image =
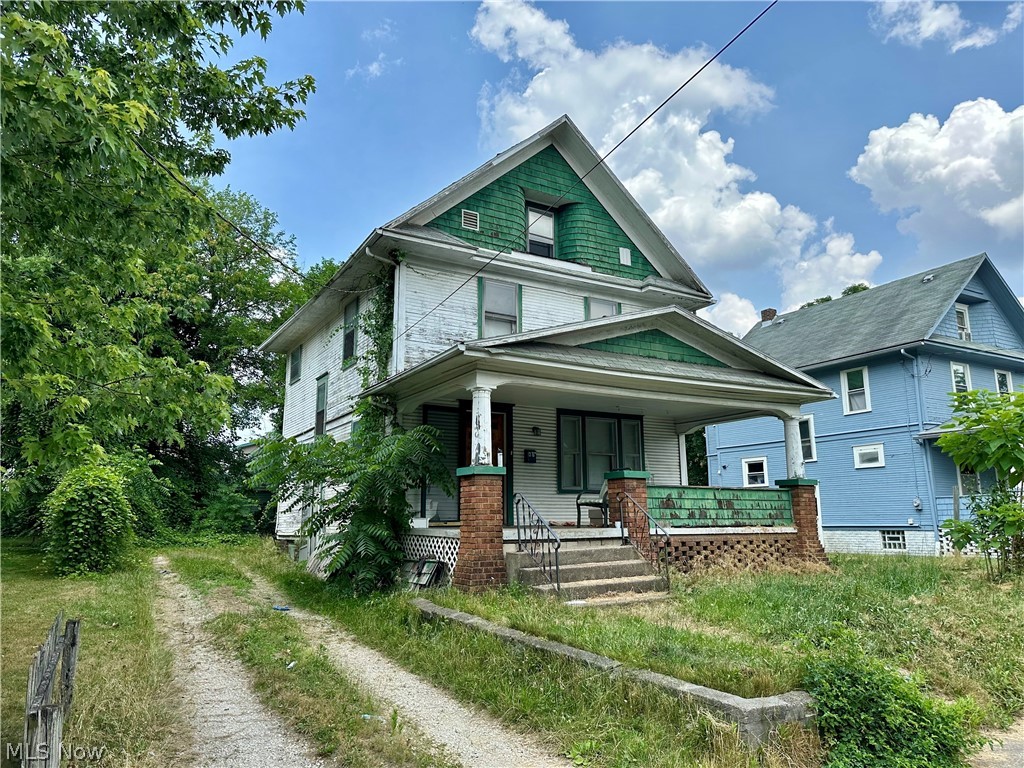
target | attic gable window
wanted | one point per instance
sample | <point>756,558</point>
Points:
<point>295,365</point>
<point>856,393</point>
<point>963,322</point>
<point>541,240</point>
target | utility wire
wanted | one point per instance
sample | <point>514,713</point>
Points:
<point>507,247</point>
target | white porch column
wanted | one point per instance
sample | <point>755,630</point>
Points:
<point>480,453</point>
<point>794,450</point>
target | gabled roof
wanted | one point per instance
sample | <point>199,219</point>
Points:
<point>885,317</point>
<point>583,158</point>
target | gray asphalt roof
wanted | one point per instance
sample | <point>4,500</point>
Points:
<point>620,362</point>
<point>888,315</point>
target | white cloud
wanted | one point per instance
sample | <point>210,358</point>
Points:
<point>914,22</point>
<point>678,169</point>
<point>828,270</point>
<point>383,32</point>
<point>374,69</point>
<point>732,313</point>
<point>956,184</point>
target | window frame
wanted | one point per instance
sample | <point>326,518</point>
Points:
<point>619,418</point>
<point>350,327</point>
<point>320,414</point>
<point>295,362</point>
<point>859,464</point>
<point>809,421</point>
<point>745,463</point>
<point>588,303</point>
<point>967,375</point>
<point>482,313</point>
<point>893,540</point>
<point>844,384</point>
<point>964,334</point>
<point>533,210</point>
<point>1009,381</point>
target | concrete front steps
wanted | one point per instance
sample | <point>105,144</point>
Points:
<point>589,572</point>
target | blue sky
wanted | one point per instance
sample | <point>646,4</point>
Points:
<point>835,142</point>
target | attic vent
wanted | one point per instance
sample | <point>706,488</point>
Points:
<point>470,220</point>
<point>927,278</point>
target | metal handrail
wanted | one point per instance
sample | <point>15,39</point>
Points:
<point>540,541</point>
<point>658,556</point>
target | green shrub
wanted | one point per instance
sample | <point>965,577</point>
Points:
<point>87,521</point>
<point>871,716</point>
<point>228,511</point>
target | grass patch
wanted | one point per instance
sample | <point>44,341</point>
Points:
<point>314,697</point>
<point>204,573</point>
<point>595,719</point>
<point>125,699</point>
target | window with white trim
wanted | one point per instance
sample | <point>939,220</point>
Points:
<point>541,239</point>
<point>1004,382</point>
<point>961,373</point>
<point>807,446</point>
<point>350,328</point>
<point>755,472</point>
<point>894,540</point>
<point>856,392</point>
<point>868,456</point>
<point>295,365</point>
<point>601,308</point>
<point>500,307</point>
<point>963,322</point>
<point>321,405</point>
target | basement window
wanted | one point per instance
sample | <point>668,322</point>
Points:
<point>541,240</point>
<point>894,540</point>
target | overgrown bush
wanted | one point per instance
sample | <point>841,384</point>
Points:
<point>228,511</point>
<point>87,520</point>
<point>871,716</point>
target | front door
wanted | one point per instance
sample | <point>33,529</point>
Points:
<point>501,447</point>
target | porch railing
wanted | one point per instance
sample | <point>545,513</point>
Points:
<point>645,533</point>
<point>536,537</point>
<point>702,507</point>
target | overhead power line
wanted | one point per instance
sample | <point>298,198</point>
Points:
<point>509,245</point>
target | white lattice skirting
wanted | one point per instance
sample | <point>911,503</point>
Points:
<point>946,547</point>
<point>445,549</point>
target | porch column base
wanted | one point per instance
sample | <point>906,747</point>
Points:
<point>481,563</point>
<point>805,517</point>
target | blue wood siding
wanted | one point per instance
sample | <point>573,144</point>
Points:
<point>988,324</point>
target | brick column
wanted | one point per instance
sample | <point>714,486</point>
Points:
<point>481,563</point>
<point>629,481</point>
<point>805,517</point>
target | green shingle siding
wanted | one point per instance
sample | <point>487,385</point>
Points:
<point>654,344</point>
<point>584,232</point>
<point>719,507</point>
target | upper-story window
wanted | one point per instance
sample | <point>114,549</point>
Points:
<point>602,308</point>
<point>963,322</point>
<point>321,405</point>
<point>499,308</point>
<point>350,328</point>
<point>295,366</point>
<point>541,240</point>
<point>807,447</point>
<point>961,376</point>
<point>1004,382</point>
<point>856,392</point>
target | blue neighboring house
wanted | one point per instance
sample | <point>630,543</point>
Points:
<point>892,354</point>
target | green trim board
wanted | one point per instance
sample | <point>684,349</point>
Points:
<point>655,344</point>
<point>791,481</point>
<point>481,469</point>
<point>627,474</point>
<point>690,507</point>
<point>585,232</point>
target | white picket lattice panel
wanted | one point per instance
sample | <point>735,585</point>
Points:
<point>445,549</point>
<point>946,547</point>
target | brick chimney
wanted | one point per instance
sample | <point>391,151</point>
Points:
<point>767,315</point>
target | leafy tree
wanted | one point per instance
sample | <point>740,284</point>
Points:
<point>987,433</point>
<point>847,291</point>
<point>106,108</point>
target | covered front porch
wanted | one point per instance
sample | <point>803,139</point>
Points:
<point>531,422</point>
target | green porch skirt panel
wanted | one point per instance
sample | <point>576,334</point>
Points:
<point>692,507</point>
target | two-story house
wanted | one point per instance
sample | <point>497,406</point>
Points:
<point>545,326</point>
<point>894,354</point>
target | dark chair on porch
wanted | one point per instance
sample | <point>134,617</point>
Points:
<point>597,507</point>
